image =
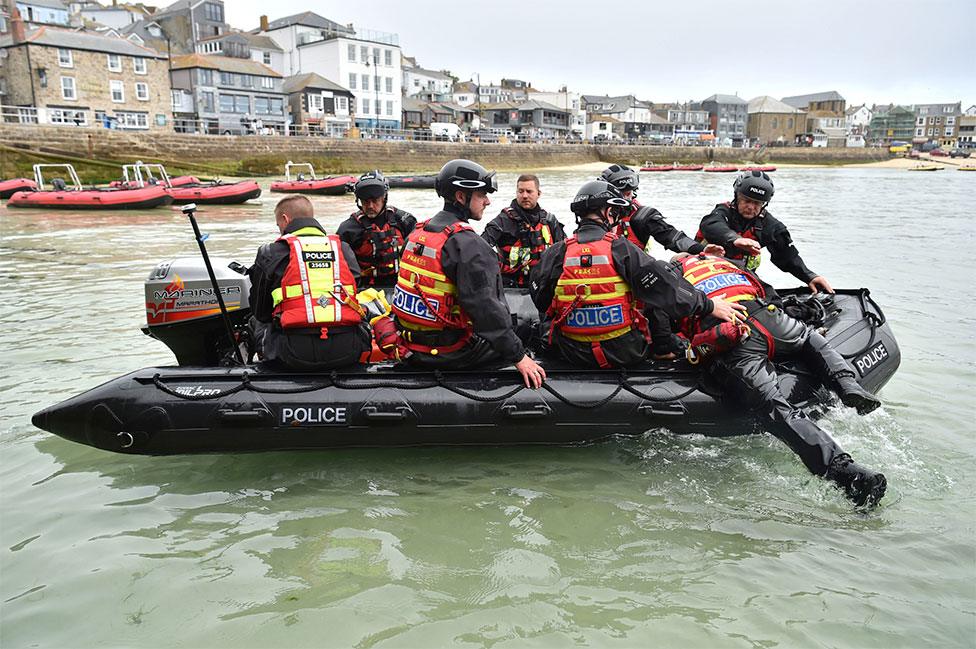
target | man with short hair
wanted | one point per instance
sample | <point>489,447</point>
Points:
<point>376,231</point>
<point>521,232</point>
<point>448,302</point>
<point>303,290</point>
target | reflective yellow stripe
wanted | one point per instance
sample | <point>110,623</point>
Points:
<point>599,337</point>
<point>276,296</point>
<point>421,271</point>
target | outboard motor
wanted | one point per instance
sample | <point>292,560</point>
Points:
<point>182,310</point>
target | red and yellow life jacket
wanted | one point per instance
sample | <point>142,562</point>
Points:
<point>521,256</point>
<point>592,302</point>
<point>425,300</point>
<point>318,288</point>
<point>718,277</point>
<point>379,253</point>
<point>752,261</point>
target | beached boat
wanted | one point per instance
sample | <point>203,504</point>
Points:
<point>61,196</point>
<point>306,182</point>
<point>9,187</point>
<point>926,168</point>
<point>967,168</point>
<point>689,167</point>
<point>205,404</point>
<point>719,168</point>
<point>763,168</point>
<point>142,174</point>
<point>650,166</point>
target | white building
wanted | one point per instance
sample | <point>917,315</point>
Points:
<point>43,12</point>
<point>465,93</point>
<point>366,62</point>
<point>116,17</point>
<point>600,128</point>
<point>858,118</point>
<point>568,101</point>
<point>429,83</point>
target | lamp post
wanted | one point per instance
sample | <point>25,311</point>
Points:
<point>477,75</point>
<point>376,88</point>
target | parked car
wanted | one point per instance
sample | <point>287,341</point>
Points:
<point>958,153</point>
<point>939,153</point>
<point>914,154</point>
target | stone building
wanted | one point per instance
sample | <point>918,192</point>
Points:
<point>937,123</point>
<point>826,116</point>
<point>65,77</point>
<point>774,122</point>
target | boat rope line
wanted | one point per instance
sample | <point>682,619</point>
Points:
<point>623,383</point>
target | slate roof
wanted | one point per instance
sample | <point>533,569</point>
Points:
<point>767,104</point>
<point>310,19</point>
<point>802,101</point>
<point>726,99</point>
<point>223,64</point>
<point>310,80</point>
<point>88,41</point>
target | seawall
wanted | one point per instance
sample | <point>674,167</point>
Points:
<point>265,155</point>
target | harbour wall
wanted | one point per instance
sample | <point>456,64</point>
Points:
<point>266,155</point>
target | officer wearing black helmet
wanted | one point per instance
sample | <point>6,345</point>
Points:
<point>376,231</point>
<point>640,225</point>
<point>744,226</point>
<point>587,286</point>
<point>448,302</point>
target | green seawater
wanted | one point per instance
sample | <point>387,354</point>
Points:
<point>658,541</point>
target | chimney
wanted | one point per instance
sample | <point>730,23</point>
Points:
<point>264,23</point>
<point>17,32</point>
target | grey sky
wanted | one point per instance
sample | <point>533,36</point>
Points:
<point>868,50</point>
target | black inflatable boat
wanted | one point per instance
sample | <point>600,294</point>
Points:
<point>203,405</point>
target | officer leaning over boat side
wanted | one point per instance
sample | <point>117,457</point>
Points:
<point>303,289</point>
<point>448,301</point>
<point>744,226</point>
<point>376,231</point>
<point>640,225</point>
<point>587,287</point>
<point>739,357</point>
<point>521,232</point>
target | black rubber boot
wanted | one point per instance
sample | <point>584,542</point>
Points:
<point>861,485</point>
<point>854,396</point>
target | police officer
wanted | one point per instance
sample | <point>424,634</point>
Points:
<point>640,225</point>
<point>587,286</point>
<point>376,231</point>
<point>521,232</point>
<point>743,227</point>
<point>303,290</point>
<point>741,361</point>
<point>448,301</point>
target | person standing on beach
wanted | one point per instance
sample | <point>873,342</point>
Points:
<point>521,232</point>
<point>744,227</point>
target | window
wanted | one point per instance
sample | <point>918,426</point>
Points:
<point>389,84</point>
<point>226,79</point>
<point>389,108</point>
<point>235,104</point>
<point>920,121</point>
<point>247,81</point>
<point>775,123</point>
<point>175,98</point>
<point>388,57</point>
<point>352,81</point>
<point>365,106</point>
<point>948,131</point>
<point>266,58</point>
<point>315,103</point>
<point>114,63</point>
<point>351,52</point>
<point>920,132</point>
<point>206,77</point>
<point>132,120</point>
<point>947,109</point>
<point>789,122</point>
<point>207,100</point>
<point>376,55</point>
<point>951,121</point>
<point>68,117</point>
<point>64,58</point>
<point>116,91</point>
<point>364,54</point>
<point>68,88</point>
<point>938,120</point>
<point>365,81</point>
<point>142,91</point>
<point>341,103</point>
<point>268,106</point>
<point>267,83</point>
<point>213,12</point>
<point>139,65</point>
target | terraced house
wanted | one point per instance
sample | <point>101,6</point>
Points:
<point>58,76</point>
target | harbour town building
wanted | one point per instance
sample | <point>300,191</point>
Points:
<point>826,117</point>
<point>366,62</point>
<point>773,122</point>
<point>891,124</point>
<point>937,123</point>
<point>319,106</point>
<point>728,116</point>
<point>58,76</point>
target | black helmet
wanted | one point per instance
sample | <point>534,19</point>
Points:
<point>594,195</point>
<point>465,176</point>
<point>372,184</point>
<point>622,177</point>
<point>755,185</point>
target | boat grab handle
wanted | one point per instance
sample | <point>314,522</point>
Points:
<point>373,414</point>
<point>537,411</point>
<point>666,409</point>
<point>243,416</point>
